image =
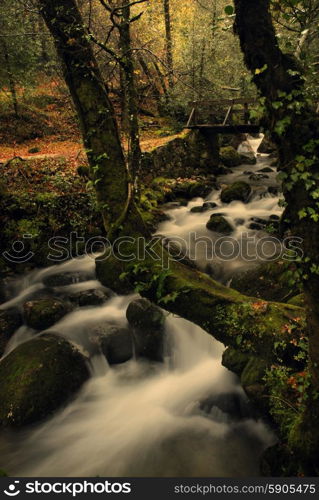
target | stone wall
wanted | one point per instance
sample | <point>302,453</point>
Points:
<point>188,155</point>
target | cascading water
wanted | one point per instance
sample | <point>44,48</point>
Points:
<point>187,417</point>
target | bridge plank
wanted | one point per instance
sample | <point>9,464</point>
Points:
<point>228,129</point>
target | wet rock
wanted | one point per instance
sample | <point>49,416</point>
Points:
<point>235,360</point>
<point>266,146</point>
<point>200,190</point>
<point>141,313</point>
<point>239,222</point>
<point>258,177</point>
<point>235,405</point>
<point>116,342</point>
<point>229,157</point>
<point>10,321</point>
<point>64,279</point>
<point>274,190</point>
<point>204,208</point>
<point>265,170</point>
<point>43,313</point>
<point>219,224</point>
<point>197,210</point>
<point>238,191</point>
<point>222,170</point>
<point>37,378</point>
<point>258,220</point>
<point>254,226</point>
<point>249,159</point>
<point>209,205</point>
<point>274,217</point>
<point>93,297</point>
<point>147,321</point>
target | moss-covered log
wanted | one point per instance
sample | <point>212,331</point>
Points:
<point>268,329</point>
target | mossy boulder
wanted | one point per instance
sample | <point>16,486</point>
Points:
<point>200,189</point>
<point>37,378</point>
<point>147,322</point>
<point>93,297</point>
<point>10,320</point>
<point>219,224</point>
<point>238,191</point>
<point>64,279</point>
<point>235,360</point>
<point>229,157</point>
<point>266,146</point>
<point>248,159</point>
<point>43,313</point>
<point>208,205</point>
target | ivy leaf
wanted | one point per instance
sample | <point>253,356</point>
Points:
<point>229,10</point>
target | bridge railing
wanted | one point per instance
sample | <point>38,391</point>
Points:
<point>213,112</point>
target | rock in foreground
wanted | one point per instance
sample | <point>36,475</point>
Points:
<point>43,313</point>
<point>37,378</point>
<point>147,321</point>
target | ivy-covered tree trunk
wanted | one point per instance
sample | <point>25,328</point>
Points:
<point>130,90</point>
<point>294,127</point>
<point>94,109</point>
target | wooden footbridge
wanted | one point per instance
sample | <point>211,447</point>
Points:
<point>205,116</point>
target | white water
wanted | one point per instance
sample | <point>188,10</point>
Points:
<point>142,419</point>
<point>221,257</point>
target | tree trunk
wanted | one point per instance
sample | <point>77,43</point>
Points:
<point>294,126</point>
<point>96,115</point>
<point>12,85</point>
<point>130,92</point>
<point>169,43</point>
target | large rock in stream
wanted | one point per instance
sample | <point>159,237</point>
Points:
<point>115,341</point>
<point>147,322</point>
<point>229,157</point>
<point>239,191</point>
<point>219,224</point>
<point>37,378</point>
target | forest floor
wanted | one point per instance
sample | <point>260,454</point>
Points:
<point>46,141</point>
<point>47,126</point>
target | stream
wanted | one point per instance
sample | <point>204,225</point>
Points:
<point>187,417</point>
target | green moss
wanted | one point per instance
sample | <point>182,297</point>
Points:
<point>43,313</point>
<point>235,360</point>
<point>238,191</point>
<point>219,224</point>
<point>229,157</point>
<point>37,377</point>
<point>253,372</point>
